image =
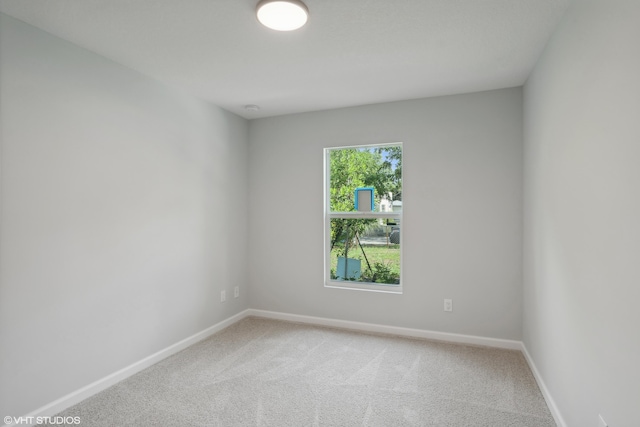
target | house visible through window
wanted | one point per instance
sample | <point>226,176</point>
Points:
<point>363,217</point>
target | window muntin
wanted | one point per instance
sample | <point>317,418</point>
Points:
<point>370,240</point>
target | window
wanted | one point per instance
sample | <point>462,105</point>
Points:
<point>363,217</point>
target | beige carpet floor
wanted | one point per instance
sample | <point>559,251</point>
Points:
<point>262,372</point>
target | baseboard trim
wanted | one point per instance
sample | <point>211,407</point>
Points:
<point>553,408</point>
<point>77,396</point>
<point>393,330</point>
<point>83,393</point>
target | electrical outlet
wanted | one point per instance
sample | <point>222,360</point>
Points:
<point>223,296</point>
<point>236,292</point>
<point>448,305</point>
<point>602,422</point>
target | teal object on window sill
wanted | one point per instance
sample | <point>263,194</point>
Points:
<point>354,269</point>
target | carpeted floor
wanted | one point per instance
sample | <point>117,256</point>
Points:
<point>269,373</point>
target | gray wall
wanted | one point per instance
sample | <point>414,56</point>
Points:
<point>116,234</point>
<point>462,225</point>
<point>582,214</point>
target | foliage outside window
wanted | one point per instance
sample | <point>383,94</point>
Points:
<point>363,249</point>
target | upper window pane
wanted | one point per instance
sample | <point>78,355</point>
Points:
<point>378,168</point>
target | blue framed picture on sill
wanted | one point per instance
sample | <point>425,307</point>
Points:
<point>364,201</point>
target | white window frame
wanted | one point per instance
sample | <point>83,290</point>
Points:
<point>328,215</point>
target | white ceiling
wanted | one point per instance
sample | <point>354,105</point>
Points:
<point>351,52</point>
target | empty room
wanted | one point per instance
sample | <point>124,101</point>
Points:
<point>320,213</point>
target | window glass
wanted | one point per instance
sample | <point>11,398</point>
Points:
<point>363,191</point>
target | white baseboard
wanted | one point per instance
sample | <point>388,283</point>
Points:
<point>97,386</point>
<point>393,330</point>
<point>77,396</point>
<point>553,408</point>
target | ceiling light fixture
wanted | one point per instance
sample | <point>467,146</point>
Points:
<point>282,15</point>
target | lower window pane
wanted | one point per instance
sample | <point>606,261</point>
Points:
<point>365,250</point>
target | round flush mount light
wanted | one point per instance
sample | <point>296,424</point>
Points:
<point>282,15</point>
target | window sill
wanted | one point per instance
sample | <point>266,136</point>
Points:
<point>368,287</point>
